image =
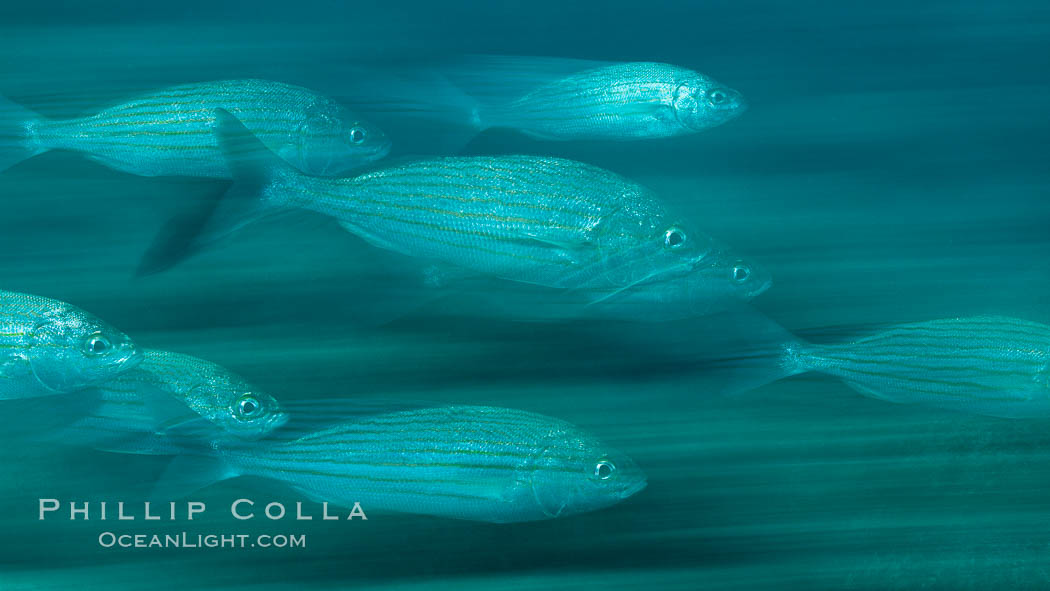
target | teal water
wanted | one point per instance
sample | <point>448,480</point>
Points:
<point>892,168</point>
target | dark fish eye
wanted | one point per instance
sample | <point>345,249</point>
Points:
<point>96,344</point>
<point>741,272</point>
<point>604,469</point>
<point>248,406</point>
<point>357,135</point>
<point>718,97</point>
<point>673,238</point>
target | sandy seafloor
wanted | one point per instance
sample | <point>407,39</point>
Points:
<point>893,167</point>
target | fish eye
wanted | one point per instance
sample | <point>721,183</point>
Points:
<point>604,469</point>
<point>96,344</point>
<point>741,272</point>
<point>674,238</point>
<point>357,135</point>
<point>248,407</point>
<point>718,97</point>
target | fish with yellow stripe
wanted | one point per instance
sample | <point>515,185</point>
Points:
<point>168,132</point>
<point>48,347</point>
<point>463,462</point>
<point>987,365</point>
<point>172,394</point>
<point>606,244</point>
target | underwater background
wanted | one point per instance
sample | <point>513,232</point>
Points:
<point>893,166</point>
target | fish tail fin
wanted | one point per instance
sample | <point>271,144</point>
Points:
<point>18,139</point>
<point>750,350</point>
<point>189,472</point>
<point>409,91</point>
<point>494,82</point>
<point>254,168</point>
<point>417,106</point>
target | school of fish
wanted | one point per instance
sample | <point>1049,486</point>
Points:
<point>600,244</point>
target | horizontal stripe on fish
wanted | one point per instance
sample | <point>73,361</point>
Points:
<point>48,347</point>
<point>152,135</point>
<point>986,365</point>
<point>533,220</point>
<point>464,462</point>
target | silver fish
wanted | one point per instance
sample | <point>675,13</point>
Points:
<point>554,99</point>
<point>606,243</point>
<point>619,102</point>
<point>168,132</point>
<point>50,347</point>
<point>463,462</point>
<point>168,395</point>
<point>987,365</point>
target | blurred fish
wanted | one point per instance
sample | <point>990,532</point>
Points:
<point>558,99</point>
<point>987,365</point>
<point>609,245</point>
<point>49,347</point>
<point>170,393</point>
<point>168,132</point>
<point>463,462</point>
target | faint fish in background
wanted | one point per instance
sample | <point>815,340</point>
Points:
<point>987,365</point>
<point>464,462</point>
<point>607,243</point>
<point>554,98</point>
<point>50,347</point>
<point>171,395</point>
<point>168,132</point>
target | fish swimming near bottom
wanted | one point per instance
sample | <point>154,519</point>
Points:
<point>463,462</point>
<point>48,347</point>
<point>606,243</point>
<point>986,365</point>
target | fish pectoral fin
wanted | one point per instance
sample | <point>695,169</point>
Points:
<point>871,393</point>
<point>369,237</point>
<point>566,243</point>
<point>174,419</point>
<point>189,473</point>
<point>164,408</point>
<point>189,428</point>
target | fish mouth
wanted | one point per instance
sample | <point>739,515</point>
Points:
<point>635,488</point>
<point>740,104</point>
<point>130,356</point>
<point>377,150</point>
<point>277,421</point>
<point>761,290</point>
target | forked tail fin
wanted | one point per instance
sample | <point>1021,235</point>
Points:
<point>419,108</point>
<point>743,349</point>
<point>253,167</point>
<point>17,139</point>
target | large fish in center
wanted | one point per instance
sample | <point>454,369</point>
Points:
<point>606,243</point>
